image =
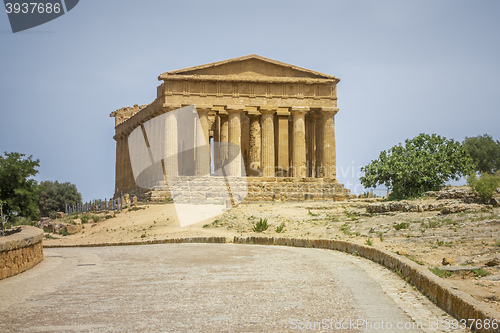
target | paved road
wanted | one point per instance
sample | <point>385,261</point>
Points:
<point>209,288</point>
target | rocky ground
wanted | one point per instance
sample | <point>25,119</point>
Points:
<point>446,231</point>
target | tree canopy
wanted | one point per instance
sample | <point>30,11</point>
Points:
<point>18,191</point>
<point>55,195</point>
<point>424,163</point>
<point>484,151</point>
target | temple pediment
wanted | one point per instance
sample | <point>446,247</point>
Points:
<point>251,66</point>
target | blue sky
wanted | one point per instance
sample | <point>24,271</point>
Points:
<point>406,67</point>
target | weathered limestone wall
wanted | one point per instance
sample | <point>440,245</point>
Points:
<point>20,251</point>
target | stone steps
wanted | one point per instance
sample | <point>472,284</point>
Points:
<point>214,189</point>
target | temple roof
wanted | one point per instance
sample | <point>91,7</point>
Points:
<point>250,67</point>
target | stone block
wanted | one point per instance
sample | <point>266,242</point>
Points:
<point>339,197</point>
<point>73,228</point>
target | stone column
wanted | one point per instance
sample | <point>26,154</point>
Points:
<point>224,137</point>
<point>202,144</point>
<point>255,143</point>
<point>217,138</point>
<point>128,180</point>
<point>307,122</point>
<point>267,158</point>
<point>319,167</point>
<point>171,146</point>
<point>119,163</point>
<point>283,149</point>
<point>311,144</point>
<point>235,139</point>
<point>329,154</point>
<point>299,142</point>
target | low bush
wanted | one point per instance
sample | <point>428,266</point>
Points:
<point>440,272</point>
<point>480,272</point>
<point>261,225</point>
<point>402,225</point>
<point>485,186</point>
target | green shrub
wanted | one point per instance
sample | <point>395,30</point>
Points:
<point>440,272</point>
<point>63,232</point>
<point>402,225</point>
<point>430,224</point>
<point>280,228</point>
<point>20,220</point>
<point>52,215</point>
<point>261,225</point>
<point>350,215</point>
<point>85,219</point>
<point>484,186</point>
<point>369,242</point>
<point>334,219</point>
<point>480,272</point>
<point>311,213</point>
<point>345,228</point>
<point>96,218</point>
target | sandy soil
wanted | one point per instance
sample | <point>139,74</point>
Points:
<point>470,239</point>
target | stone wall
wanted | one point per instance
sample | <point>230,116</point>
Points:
<point>457,199</point>
<point>20,251</point>
<point>211,240</point>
